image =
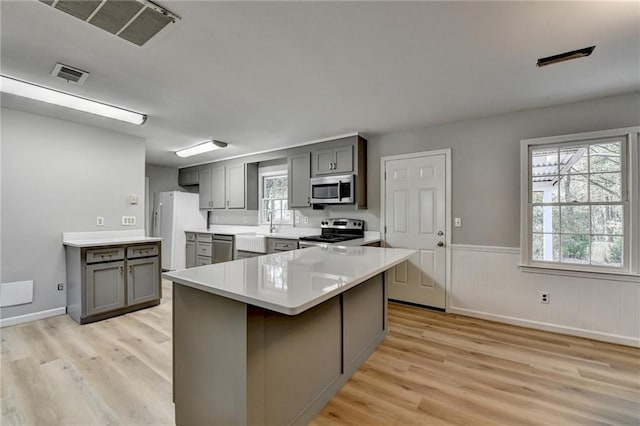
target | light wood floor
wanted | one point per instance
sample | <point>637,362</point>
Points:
<point>433,368</point>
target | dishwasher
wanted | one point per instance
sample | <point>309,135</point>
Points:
<point>222,248</point>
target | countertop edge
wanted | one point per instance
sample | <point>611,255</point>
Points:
<point>110,242</point>
<point>287,310</point>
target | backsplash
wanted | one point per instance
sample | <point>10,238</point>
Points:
<point>314,217</point>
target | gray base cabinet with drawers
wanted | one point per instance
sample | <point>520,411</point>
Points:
<point>103,282</point>
<point>205,249</point>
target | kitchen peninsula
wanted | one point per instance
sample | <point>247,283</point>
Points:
<point>270,339</point>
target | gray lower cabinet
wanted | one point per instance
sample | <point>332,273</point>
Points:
<point>103,282</point>
<point>142,280</point>
<point>205,249</point>
<point>104,287</point>
<point>275,245</point>
<point>191,254</point>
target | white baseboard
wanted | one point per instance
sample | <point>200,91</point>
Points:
<point>589,334</point>
<point>19,319</point>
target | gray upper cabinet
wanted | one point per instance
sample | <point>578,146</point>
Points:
<point>212,188</point>
<point>204,177</point>
<point>231,186</point>
<point>235,186</point>
<point>105,287</point>
<point>217,188</point>
<point>299,176</point>
<point>188,177</point>
<point>334,160</point>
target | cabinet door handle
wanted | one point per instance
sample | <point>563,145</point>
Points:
<point>228,203</point>
<point>130,269</point>
<point>121,270</point>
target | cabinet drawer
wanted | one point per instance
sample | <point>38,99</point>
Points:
<point>105,254</point>
<point>142,251</point>
<point>205,238</point>
<point>203,249</point>
<point>203,260</point>
<point>191,236</point>
<point>285,245</point>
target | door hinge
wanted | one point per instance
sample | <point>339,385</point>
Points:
<point>385,229</point>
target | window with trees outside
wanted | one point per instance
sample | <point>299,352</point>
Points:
<point>275,198</point>
<point>579,210</point>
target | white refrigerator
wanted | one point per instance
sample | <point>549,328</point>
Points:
<point>173,213</point>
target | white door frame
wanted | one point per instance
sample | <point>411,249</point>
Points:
<point>447,154</point>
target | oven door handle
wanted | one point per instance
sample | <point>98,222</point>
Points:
<point>339,190</point>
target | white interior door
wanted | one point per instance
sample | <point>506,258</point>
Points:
<point>415,218</point>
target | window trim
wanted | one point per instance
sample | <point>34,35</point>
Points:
<point>631,204</point>
<point>261,176</point>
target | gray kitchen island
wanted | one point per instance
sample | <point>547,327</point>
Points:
<point>270,339</point>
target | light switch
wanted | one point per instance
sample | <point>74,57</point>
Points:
<point>457,222</point>
<point>100,221</point>
<point>133,199</point>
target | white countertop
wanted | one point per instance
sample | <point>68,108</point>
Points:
<point>287,232</point>
<point>106,238</point>
<point>294,281</point>
<point>283,232</point>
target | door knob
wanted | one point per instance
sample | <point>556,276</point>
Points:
<point>440,243</point>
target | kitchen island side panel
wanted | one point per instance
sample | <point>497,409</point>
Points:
<point>292,361</point>
<point>288,366</point>
<point>210,358</point>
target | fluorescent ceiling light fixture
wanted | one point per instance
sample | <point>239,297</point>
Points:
<point>566,56</point>
<point>200,148</point>
<point>55,97</point>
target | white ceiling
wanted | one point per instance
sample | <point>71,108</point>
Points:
<point>262,75</point>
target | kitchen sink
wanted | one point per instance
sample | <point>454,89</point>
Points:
<point>253,242</point>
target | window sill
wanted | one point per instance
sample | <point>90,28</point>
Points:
<point>572,272</point>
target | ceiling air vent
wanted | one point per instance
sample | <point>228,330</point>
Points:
<point>69,74</point>
<point>136,21</point>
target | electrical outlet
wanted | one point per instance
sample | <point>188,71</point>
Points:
<point>100,221</point>
<point>60,286</point>
<point>128,220</point>
<point>244,218</point>
<point>545,297</point>
<point>306,219</point>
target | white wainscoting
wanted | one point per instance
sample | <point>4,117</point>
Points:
<point>487,283</point>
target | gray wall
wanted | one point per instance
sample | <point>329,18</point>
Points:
<point>486,164</point>
<point>486,161</point>
<point>58,176</point>
<point>161,179</point>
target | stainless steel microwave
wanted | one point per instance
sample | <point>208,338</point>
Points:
<point>333,190</point>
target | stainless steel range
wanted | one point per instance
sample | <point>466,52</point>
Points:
<point>335,231</point>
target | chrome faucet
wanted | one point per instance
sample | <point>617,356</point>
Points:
<point>271,227</point>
